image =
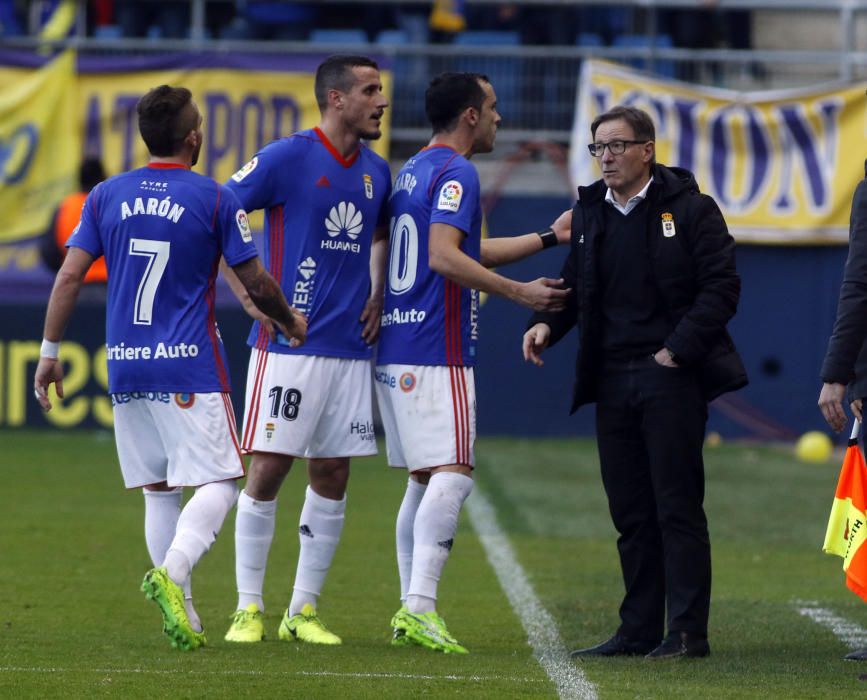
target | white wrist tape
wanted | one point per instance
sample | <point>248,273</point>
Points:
<point>49,349</point>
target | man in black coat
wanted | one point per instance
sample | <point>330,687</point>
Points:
<point>846,359</point>
<point>652,272</point>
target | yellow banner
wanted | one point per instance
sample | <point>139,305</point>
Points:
<point>245,105</point>
<point>39,145</point>
<point>243,110</point>
<point>782,165</point>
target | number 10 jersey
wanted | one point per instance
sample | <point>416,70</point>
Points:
<point>428,319</point>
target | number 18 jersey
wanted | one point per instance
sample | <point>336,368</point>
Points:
<point>428,319</point>
<point>162,230</point>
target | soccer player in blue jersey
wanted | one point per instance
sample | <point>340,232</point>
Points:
<point>163,230</point>
<point>324,194</point>
<point>427,348</point>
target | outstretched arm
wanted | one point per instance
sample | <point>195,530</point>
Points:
<point>500,251</point>
<point>67,284</point>
<point>447,258</point>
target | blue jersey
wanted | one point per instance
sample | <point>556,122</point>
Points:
<point>320,214</point>
<point>162,230</point>
<point>427,319</point>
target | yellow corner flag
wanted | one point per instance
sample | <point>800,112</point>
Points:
<point>847,526</point>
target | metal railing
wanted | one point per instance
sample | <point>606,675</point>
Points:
<point>537,85</point>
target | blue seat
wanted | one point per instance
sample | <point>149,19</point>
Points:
<point>589,39</point>
<point>661,67</point>
<point>347,37</point>
<point>392,37</point>
<point>108,31</point>
<point>505,72</point>
<point>487,38</point>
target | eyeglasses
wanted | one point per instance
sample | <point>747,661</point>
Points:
<point>615,148</point>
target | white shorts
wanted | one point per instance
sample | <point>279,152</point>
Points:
<point>183,439</point>
<point>308,406</point>
<point>429,414</point>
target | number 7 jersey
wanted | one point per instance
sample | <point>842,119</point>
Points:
<point>162,230</point>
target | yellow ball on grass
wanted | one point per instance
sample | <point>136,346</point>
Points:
<point>814,446</point>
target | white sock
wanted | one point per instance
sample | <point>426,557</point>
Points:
<point>435,526</point>
<point>405,522</point>
<point>162,509</point>
<point>198,525</point>
<point>319,532</point>
<point>254,530</point>
<point>192,615</point>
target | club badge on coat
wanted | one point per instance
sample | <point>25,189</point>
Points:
<point>668,229</point>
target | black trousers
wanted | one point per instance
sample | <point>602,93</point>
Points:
<point>650,425</point>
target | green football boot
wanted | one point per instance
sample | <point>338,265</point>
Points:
<point>248,625</point>
<point>158,587</point>
<point>426,630</point>
<point>398,634</point>
<point>306,627</point>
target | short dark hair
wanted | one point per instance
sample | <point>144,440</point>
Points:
<point>335,73</point>
<point>90,173</point>
<point>449,94</point>
<point>165,119</point>
<point>638,119</point>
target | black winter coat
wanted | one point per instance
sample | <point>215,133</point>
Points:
<point>846,359</point>
<point>693,269</point>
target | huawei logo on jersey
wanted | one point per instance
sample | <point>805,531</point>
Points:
<point>344,217</point>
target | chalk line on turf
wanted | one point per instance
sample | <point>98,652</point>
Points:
<point>542,633</point>
<point>852,635</point>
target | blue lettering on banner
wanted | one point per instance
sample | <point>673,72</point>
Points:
<point>125,120</point>
<point>16,153</point>
<point>251,110</point>
<point>219,123</point>
<point>92,131</point>
<point>757,156</point>
<point>788,135</point>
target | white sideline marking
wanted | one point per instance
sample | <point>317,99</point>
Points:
<point>541,629</point>
<point>186,672</point>
<point>853,635</point>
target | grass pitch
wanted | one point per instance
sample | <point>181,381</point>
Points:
<point>74,623</point>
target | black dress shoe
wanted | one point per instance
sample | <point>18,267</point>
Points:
<point>681,644</point>
<point>860,655</point>
<point>618,645</point>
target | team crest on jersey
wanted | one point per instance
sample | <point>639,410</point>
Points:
<point>246,169</point>
<point>269,431</point>
<point>407,382</point>
<point>344,217</point>
<point>185,400</point>
<point>668,225</point>
<point>450,196</point>
<point>243,225</point>
<point>368,186</point>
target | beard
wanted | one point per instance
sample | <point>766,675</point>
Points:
<point>195,157</point>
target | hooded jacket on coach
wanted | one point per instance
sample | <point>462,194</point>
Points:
<point>693,267</point>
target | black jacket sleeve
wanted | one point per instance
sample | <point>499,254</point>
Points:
<point>850,327</point>
<point>561,322</point>
<point>718,285</point>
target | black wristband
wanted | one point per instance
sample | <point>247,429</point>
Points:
<point>549,238</point>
